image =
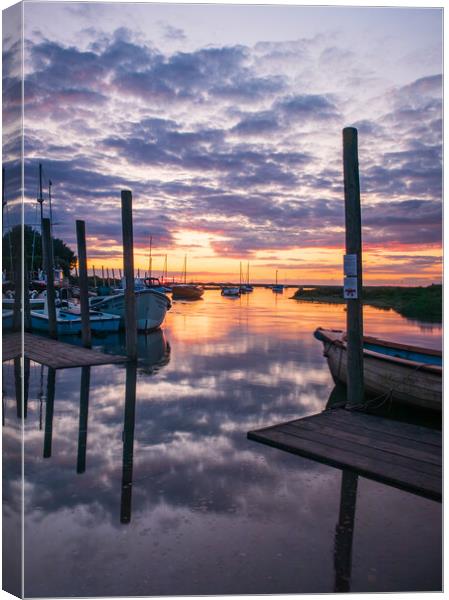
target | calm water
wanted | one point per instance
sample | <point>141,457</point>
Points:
<point>165,495</point>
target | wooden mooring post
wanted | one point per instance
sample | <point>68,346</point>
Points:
<point>94,276</point>
<point>49,270</point>
<point>128,264</point>
<point>83,284</point>
<point>353,269</point>
<point>102,276</point>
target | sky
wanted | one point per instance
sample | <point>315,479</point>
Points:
<point>226,123</point>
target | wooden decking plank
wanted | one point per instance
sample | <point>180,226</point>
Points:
<point>403,447</point>
<point>382,424</point>
<point>360,448</point>
<point>54,353</point>
<point>364,444</point>
<point>420,483</point>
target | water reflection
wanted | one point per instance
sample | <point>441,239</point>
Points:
<point>344,531</point>
<point>150,487</point>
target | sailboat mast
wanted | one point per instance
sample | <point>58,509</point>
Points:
<point>40,198</point>
<point>185,268</point>
<point>150,259</point>
<point>276,276</point>
<point>247,273</point>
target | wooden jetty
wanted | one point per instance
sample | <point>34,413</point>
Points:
<point>52,353</point>
<point>399,454</point>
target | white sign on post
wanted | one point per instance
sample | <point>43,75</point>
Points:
<point>350,288</point>
<point>350,265</point>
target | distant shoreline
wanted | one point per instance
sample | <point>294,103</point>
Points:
<point>422,303</point>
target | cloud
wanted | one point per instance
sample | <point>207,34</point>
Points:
<point>176,129</point>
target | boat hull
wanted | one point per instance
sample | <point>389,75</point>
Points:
<point>70,324</point>
<point>151,308</point>
<point>187,292</point>
<point>387,377</point>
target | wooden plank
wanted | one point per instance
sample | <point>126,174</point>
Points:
<point>384,425</point>
<point>362,449</point>
<point>418,448</point>
<point>365,445</point>
<point>53,353</point>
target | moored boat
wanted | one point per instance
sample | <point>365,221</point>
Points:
<point>232,292</point>
<point>404,373</point>
<point>151,307</point>
<point>277,288</point>
<point>187,291</point>
<point>68,321</point>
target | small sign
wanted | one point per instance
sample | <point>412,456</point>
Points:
<point>350,288</point>
<point>350,265</point>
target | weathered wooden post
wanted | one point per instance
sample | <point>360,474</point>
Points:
<point>95,277</point>
<point>83,283</point>
<point>83,419</point>
<point>353,269</point>
<point>107,277</point>
<point>102,276</point>
<point>128,263</point>
<point>128,442</point>
<point>49,405</point>
<point>113,277</point>
<point>48,253</point>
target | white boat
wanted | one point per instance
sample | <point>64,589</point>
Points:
<point>233,292</point>
<point>151,307</point>
<point>68,321</point>
<point>392,371</point>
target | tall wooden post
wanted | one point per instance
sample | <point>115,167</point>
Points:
<point>102,276</point>
<point>128,260</point>
<point>113,277</point>
<point>47,244</point>
<point>83,283</point>
<point>353,269</point>
<point>84,414</point>
<point>94,275</point>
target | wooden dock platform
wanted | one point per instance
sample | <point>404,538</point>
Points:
<point>52,353</point>
<point>399,454</point>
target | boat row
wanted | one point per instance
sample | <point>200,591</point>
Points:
<point>106,315</point>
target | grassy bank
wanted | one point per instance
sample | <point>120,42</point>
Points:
<point>423,303</point>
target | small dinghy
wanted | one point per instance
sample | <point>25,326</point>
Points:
<point>408,374</point>
<point>68,321</point>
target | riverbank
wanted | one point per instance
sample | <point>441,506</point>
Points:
<point>423,303</point>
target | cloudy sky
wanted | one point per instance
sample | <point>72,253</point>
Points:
<point>225,122</point>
